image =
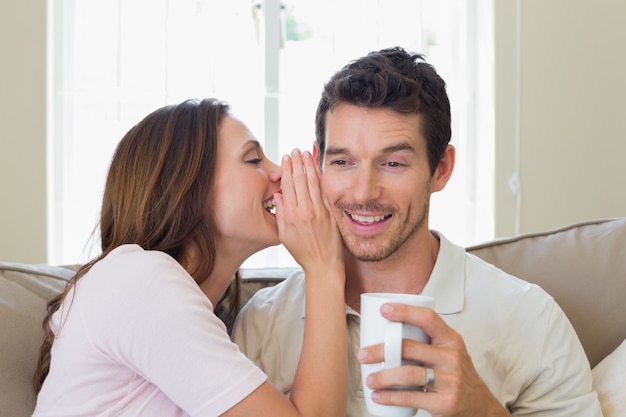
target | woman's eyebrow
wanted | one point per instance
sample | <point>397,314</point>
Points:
<point>251,143</point>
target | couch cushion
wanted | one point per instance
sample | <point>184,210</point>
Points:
<point>24,293</point>
<point>583,266</point>
<point>610,384</point>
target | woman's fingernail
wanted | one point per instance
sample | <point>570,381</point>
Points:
<point>375,395</point>
<point>295,152</point>
<point>306,154</point>
<point>361,355</point>
<point>285,158</point>
<point>386,308</point>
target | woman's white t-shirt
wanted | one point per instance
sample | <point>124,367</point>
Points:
<point>137,337</point>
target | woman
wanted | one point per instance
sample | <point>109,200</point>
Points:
<point>189,196</point>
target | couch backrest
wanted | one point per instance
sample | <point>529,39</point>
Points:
<point>583,266</point>
<point>24,293</point>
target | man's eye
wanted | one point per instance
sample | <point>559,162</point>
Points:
<point>394,164</point>
<point>339,162</point>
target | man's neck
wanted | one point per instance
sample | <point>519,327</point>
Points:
<point>406,271</point>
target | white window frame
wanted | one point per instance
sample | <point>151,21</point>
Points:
<point>472,133</point>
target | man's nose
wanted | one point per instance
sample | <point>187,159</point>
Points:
<point>366,186</point>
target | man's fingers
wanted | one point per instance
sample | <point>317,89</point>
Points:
<point>424,318</point>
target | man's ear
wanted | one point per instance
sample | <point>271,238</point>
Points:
<point>444,169</point>
<point>316,152</point>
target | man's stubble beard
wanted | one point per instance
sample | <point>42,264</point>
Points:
<point>394,244</point>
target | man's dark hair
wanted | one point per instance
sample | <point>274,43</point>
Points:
<point>397,80</point>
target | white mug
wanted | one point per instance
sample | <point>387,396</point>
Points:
<point>376,329</point>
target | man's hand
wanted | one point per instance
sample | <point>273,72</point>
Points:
<point>458,390</point>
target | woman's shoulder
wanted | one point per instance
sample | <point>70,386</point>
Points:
<point>132,259</point>
<point>130,268</point>
<point>133,282</point>
<point>133,254</point>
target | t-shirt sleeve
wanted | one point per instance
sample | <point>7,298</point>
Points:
<point>160,324</point>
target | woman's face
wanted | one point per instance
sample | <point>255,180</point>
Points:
<point>245,183</point>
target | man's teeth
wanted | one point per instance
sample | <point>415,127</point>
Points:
<point>366,219</point>
<point>270,206</point>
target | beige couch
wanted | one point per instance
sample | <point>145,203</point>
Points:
<point>583,266</point>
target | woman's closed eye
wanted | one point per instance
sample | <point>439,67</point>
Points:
<point>254,161</point>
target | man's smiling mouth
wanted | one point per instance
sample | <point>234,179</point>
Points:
<point>368,219</point>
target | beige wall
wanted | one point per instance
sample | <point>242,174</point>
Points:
<point>23,232</point>
<point>567,112</point>
<point>561,92</point>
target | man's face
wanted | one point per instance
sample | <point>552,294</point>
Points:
<point>377,179</point>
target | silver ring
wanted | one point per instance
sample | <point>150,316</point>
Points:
<point>430,378</point>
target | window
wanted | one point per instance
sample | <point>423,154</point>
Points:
<point>114,62</point>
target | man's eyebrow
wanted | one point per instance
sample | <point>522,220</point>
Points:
<point>400,147</point>
<point>335,151</point>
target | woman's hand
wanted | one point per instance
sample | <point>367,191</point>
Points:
<point>308,230</point>
<point>306,225</point>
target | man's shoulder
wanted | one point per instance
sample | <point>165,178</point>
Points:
<point>479,269</point>
<point>287,294</point>
<point>272,315</point>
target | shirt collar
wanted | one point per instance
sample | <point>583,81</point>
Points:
<point>447,281</point>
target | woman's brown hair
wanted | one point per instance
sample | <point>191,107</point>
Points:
<point>157,195</point>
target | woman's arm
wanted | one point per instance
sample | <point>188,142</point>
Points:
<point>308,230</point>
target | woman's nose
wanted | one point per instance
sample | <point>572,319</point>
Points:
<point>274,172</point>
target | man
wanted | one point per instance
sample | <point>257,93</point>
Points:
<point>499,346</point>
